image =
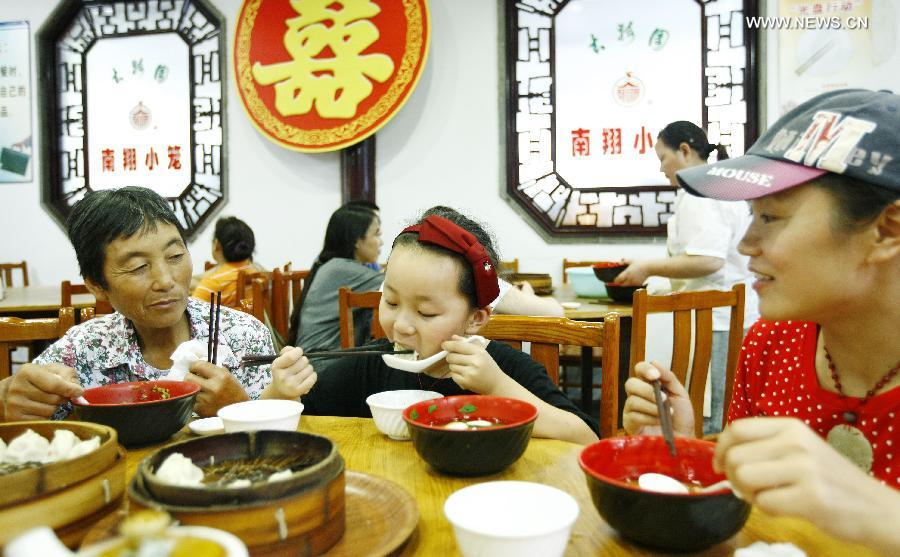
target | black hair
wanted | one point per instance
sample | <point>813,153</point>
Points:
<point>857,203</point>
<point>346,226</point>
<point>683,131</point>
<point>236,238</point>
<point>466,283</point>
<point>107,215</point>
<point>364,203</point>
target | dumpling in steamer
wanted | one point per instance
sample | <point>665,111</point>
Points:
<point>63,442</point>
<point>84,447</point>
<point>27,447</point>
<point>178,469</point>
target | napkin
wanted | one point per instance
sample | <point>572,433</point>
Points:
<point>763,549</point>
<point>193,351</point>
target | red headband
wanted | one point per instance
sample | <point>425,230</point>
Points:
<point>442,232</point>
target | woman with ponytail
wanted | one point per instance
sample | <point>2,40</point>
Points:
<point>233,245</point>
<point>703,235</point>
<point>352,242</point>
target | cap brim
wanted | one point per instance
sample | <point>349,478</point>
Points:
<point>746,177</point>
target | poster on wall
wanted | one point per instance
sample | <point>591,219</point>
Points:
<point>823,46</point>
<point>15,102</point>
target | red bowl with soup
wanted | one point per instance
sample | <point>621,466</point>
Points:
<point>141,412</point>
<point>691,521</point>
<point>470,435</point>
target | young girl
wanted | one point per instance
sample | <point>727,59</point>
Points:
<point>703,235</point>
<point>352,243</point>
<point>815,417</point>
<point>439,282</point>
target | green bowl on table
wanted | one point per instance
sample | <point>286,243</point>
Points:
<point>585,283</point>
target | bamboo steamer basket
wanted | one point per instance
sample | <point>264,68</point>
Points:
<point>71,511</point>
<point>29,483</point>
<point>305,521</point>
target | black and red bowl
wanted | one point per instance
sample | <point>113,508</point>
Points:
<point>622,292</point>
<point>141,412</point>
<point>663,521</point>
<point>607,271</point>
<point>470,452</point>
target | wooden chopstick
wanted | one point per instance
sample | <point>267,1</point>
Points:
<point>665,415</point>
<point>264,359</point>
<point>216,341</point>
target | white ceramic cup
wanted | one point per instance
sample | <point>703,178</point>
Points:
<point>387,410</point>
<point>253,415</point>
<point>511,519</point>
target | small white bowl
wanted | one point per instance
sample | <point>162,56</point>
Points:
<point>207,426</point>
<point>253,415</point>
<point>387,410</point>
<point>511,519</point>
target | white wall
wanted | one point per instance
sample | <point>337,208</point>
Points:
<point>443,147</point>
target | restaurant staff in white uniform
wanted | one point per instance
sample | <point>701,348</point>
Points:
<point>703,235</point>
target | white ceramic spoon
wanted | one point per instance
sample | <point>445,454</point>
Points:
<point>418,366</point>
<point>666,484</point>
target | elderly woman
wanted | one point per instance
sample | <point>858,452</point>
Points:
<point>132,253</point>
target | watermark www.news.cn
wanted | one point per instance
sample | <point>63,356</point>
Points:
<point>807,22</point>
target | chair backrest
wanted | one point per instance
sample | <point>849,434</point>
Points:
<point>511,266</point>
<point>287,287</point>
<point>684,305</point>
<point>14,331</point>
<point>546,334</point>
<point>67,290</point>
<point>7,270</point>
<point>567,263</point>
<point>349,300</point>
<point>261,297</point>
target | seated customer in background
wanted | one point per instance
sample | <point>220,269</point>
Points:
<point>352,240</point>
<point>439,283</point>
<point>815,415</point>
<point>366,204</point>
<point>132,253</point>
<point>233,245</point>
<point>518,299</point>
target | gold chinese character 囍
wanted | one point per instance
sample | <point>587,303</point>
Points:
<point>335,84</point>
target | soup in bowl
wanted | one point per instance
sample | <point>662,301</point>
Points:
<point>690,521</point>
<point>470,435</point>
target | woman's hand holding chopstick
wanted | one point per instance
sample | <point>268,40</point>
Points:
<point>292,375</point>
<point>641,416</point>
<point>218,387</point>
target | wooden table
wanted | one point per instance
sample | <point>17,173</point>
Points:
<point>593,309</point>
<point>549,462</point>
<point>22,301</point>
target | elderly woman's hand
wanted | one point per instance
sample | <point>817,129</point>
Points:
<point>292,375</point>
<point>34,392</point>
<point>218,387</point>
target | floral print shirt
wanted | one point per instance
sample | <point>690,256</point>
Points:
<point>105,349</point>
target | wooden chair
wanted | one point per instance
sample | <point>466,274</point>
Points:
<point>261,297</point>
<point>349,300</point>
<point>287,287</point>
<point>207,265</point>
<point>511,266</point>
<point>683,305</point>
<point>15,331</point>
<point>546,334</point>
<point>244,282</point>
<point>67,290</point>
<point>570,263</point>
<point>7,270</point>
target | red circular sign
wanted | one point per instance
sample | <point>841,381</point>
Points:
<point>319,76</point>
